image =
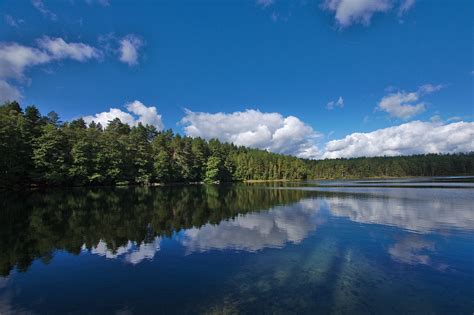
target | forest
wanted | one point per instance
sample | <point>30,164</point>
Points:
<point>41,150</point>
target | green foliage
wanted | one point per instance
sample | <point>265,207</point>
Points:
<point>213,169</point>
<point>396,166</point>
<point>51,155</point>
<point>41,150</point>
<point>14,145</point>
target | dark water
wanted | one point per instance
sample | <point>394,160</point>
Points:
<point>326,247</point>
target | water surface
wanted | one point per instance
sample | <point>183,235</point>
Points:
<point>329,247</point>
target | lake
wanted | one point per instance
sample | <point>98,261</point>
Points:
<point>391,246</point>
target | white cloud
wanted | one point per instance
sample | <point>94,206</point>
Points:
<point>15,59</point>
<point>348,12</point>
<point>406,105</point>
<point>146,115</point>
<point>129,46</point>
<point>10,20</point>
<point>415,137</point>
<point>289,135</point>
<point>59,49</point>
<point>104,117</point>
<point>405,5</point>
<point>142,114</point>
<point>269,131</point>
<point>39,5</point>
<point>401,105</point>
<point>8,92</point>
<point>333,104</point>
<point>430,88</point>
<point>265,3</point>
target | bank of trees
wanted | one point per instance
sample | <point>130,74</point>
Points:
<point>396,166</point>
<point>42,150</point>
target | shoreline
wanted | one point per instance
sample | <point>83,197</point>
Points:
<point>251,181</point>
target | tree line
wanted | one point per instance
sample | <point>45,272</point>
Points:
<point>42,150</point>
<point>394,166</point>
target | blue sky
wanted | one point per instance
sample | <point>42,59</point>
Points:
<point>338,66</point>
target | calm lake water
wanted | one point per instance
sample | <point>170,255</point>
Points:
<point>400,246</point>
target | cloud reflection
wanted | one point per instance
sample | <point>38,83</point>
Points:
<point>131,252</point>
<point>253,232</point>
<point>419,210</point>
<point>250,232</point>
<point>412,250</point>
<point>416,210</point>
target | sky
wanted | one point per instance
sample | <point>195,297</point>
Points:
<point>310,78</point>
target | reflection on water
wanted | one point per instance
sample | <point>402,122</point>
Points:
<point>420,210</point>
<point>255,231</point>
<point>412,250</point>
<point>132,252</point>
<point>115,222</point>
<point>238,248</point>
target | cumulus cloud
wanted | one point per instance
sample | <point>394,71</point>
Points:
<point>333,104</point>
<point>401,105</point>
<point>415,137</point>
<point>8,92</point>
<point>15,58</point>
<point>39,5</point>
<point>349,12</point>
<point>268,131</point>
<point>147,115</point>
<point>406,105</point>
<point>129,46</point>
<point>289,135</point>
<point>59,49</point>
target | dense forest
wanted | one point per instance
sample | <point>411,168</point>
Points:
<point>41,150</point>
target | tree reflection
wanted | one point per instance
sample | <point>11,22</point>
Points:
<point>132,221</point>
<point>35,224</point>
